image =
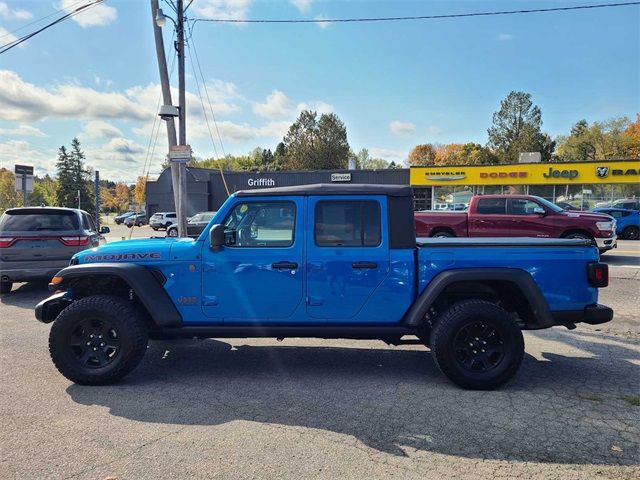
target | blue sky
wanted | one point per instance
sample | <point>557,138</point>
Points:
<point>393,84</point>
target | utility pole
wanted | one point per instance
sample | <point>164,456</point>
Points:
<point>97,191</point>
<point>166,100</point>
<point>182,105</point>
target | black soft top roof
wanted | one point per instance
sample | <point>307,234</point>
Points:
<point>331,189</point>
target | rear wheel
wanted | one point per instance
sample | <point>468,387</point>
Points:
<point>631,233</point>
<point>443,234</point>
<point>5,287</point>
<point>477,345</point>
<point>98,340</point>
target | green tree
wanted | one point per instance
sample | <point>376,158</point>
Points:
<point>517,127</point>
<point>280,157</point>
<point>314,143</point>
<point>82,179</point>
<point>44,191</point>
<point>464,154</point>
<point>600,141</point>
<point>9,198</point>
<point>66,192</point>
<point>267,160</point>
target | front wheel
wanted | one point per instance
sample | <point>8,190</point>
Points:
<point>477,344</point>
<point>98,340</point>
<point>631,233</point>
<point>443,234</point>
<point>172,232</point>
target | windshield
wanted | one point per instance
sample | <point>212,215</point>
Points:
<point>36,221</point>
<point>549,205</point>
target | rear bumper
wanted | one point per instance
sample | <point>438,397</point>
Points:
<point>592,314</point>
<point>606,243</point>
<point>17,274</point>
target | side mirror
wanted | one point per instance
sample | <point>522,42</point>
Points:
<point>104,230</point>
<point>216,237</point>
<point>539,211</point>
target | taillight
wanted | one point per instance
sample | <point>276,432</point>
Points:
<point>74,241</point>
<point>598,274</point>
<point>6,242</point>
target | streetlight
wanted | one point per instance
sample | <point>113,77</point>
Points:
<point>161,18</point>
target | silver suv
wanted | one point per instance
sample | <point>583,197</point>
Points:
<point>36,242</point>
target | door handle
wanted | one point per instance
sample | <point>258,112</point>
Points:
<point>370,265</point>
<point>284,265</point>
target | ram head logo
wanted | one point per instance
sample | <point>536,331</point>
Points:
<point>602,172</point>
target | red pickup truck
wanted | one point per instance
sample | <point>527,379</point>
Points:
<point>518,216</point>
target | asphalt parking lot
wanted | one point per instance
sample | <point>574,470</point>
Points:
<point>327,409</point>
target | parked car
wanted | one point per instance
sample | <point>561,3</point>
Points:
<point>162,220</point>
<point>136,220</point>
<point>518,216</point>
<point>327,261</point>
<point>36,242</point>
<point>122,217</point>
<point>627,221</point>
<point>195,225</point>
<point>624,203</point>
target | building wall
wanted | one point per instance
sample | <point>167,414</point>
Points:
<point>206,189</point>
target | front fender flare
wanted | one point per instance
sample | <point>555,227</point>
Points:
<point>522,279</point>
<point>142,281</point>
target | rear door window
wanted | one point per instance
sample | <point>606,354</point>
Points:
<point>347,224</point>
<point>29,220</point>
<point>492,206</point>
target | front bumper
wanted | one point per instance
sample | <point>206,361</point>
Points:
<point>606,243</point>
<point>48,309</point>
<point>592,314</point>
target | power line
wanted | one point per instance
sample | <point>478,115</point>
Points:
<point>8,46</point>
<point>420,17</point>
<point>39,19</point>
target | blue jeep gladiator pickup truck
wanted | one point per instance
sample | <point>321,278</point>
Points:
<point>327,261</point>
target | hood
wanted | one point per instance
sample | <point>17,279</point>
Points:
<point>596,217</point>
<point>142,250</point>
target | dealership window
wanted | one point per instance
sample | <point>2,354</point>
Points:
<point>260,224</point>
<point>543,191</point>
<point>348,224</point>
<point>452,197</point>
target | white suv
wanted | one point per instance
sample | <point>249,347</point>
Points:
<point>162,220</point>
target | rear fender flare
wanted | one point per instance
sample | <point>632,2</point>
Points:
<point>142,281</point>
<point>520,278</point>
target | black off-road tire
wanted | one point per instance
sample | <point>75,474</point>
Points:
<point>5,287</point>
<point>463,355</point>
<point>119,323</point>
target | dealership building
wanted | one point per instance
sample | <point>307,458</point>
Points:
<point>582,184</point>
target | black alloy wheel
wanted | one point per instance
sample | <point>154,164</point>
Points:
<point>631,233</point>
<point>479,347</point>
<point>95,342</point>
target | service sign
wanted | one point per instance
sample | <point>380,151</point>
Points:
<point>560,173</point>
<point>340,177</point>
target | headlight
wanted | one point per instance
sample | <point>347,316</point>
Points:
<point>605,225</point>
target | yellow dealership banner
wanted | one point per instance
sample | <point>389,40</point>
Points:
<point>561,173</point>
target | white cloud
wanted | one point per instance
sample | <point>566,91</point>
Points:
<point>302,5</point>
<point>23,130</point>
<point>274,129</point>
<point>317,106</point>
<point>389,154</point>
<point>401,128</point>
<point>100,129</point>
<point>222,9</point>
<point>102,81</point>
<point>22,101</point>
<point>276,105</point>
<point>96,16</point>
<point>320,22</point>
<point>20,151</point>
<point>434,130</point>
<point>8,37</point>
<point>10,14</point>
<point>504,37</point>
